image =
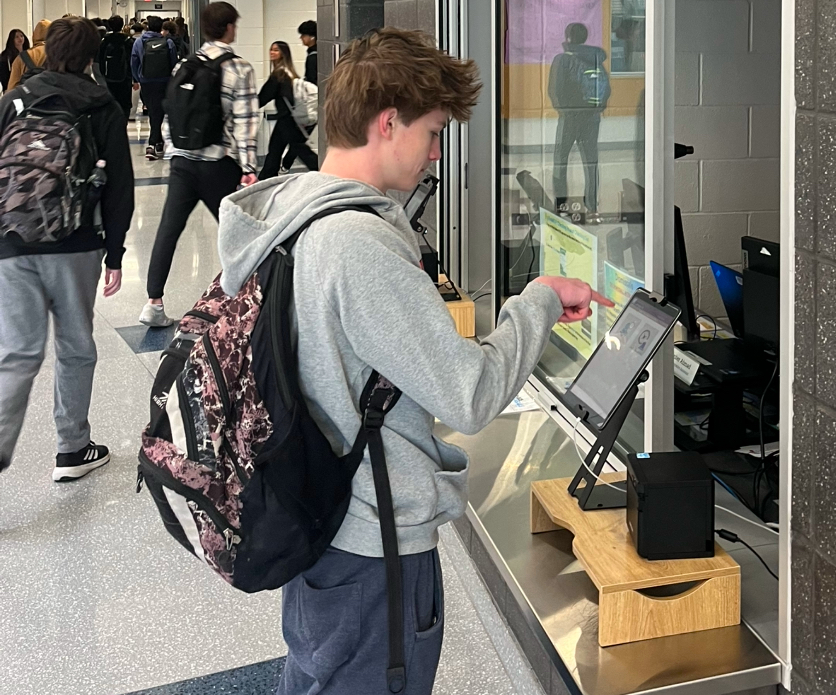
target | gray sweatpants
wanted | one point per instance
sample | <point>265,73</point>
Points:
<point>32,287</point>
<point>334,620</point>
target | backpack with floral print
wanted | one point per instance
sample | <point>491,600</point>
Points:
<point>240,473</point>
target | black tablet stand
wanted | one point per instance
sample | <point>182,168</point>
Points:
<point>591,496</point>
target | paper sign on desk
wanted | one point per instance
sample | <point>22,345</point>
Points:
<point>685,365</point>
<point>522,403</point>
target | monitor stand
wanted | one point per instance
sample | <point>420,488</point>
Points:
<point>591,496</point>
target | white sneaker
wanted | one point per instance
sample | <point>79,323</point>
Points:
<point>153,315</point>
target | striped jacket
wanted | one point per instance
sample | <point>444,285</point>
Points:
<point>239,99</point>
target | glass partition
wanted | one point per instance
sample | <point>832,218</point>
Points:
<point>572,168</point>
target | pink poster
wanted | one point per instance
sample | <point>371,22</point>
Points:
<point>536,28</point>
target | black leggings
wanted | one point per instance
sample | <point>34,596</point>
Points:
<point>287,133</point>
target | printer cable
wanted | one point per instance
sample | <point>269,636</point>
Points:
<point>734,538</point>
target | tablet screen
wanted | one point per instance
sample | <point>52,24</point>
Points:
<point>622,355</point>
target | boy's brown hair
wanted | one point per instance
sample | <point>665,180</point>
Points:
<point>395,68</point>
<point>71,43</point>
<point>216,17</point>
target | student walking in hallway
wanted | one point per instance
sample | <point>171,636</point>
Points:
<point>204,170</point>
<point>287,133</point>
<point>46,267</point>
<point>152,59</point>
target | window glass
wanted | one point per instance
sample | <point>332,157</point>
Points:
<point>572,161</point>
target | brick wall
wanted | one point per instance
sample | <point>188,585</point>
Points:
<point>728,82</point>
<point>814,399</point>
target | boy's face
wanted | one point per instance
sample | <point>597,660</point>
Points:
<point>415,148</point>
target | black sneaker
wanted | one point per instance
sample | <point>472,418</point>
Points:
<point>73,466</point>
<point>159,150</point>
<point>150,154</point>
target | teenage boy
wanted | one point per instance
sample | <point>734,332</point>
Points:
<point>307,34</point>
<point>213,172</point>
<point>363,303</point>
<point>153,57</point>
<point>61,278</point>
<point>115,63</point>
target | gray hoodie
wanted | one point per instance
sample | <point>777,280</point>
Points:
<point>362,302</point>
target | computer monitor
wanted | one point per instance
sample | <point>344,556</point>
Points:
<point>678,285</point>
<point>760,255</point>
<point>761,293</point>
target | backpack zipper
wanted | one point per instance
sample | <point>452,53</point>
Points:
<point>188,421</point>
<point>219,378</point>
<point>227,406</point>
<point>146,468</point>
<point>202,315</point>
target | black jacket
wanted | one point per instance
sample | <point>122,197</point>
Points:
<point>310,65</point>
<point>82,94</point>
<point>564,89</point>
<point>277,90</point>
<point>5,69</point>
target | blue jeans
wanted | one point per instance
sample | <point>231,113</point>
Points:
<point>334,620</point>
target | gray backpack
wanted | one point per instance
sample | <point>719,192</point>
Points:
<point>47,162</point>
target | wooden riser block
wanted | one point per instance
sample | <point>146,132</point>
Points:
<point>629,616</point>
<point>603,546</point>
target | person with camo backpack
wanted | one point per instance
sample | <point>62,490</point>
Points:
<point>55,231</point>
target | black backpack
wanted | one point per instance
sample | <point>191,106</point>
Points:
<point>47,162</point>
<point>114,62</point>
<point>193,102</point>
<point>31,69</point>
<point>156,62</point>
<point>240,473</point>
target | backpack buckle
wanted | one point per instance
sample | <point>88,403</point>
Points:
<point>373,419</point>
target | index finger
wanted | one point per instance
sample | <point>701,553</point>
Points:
<point>601,299</point>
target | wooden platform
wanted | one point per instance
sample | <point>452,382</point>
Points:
<point>463,312</point>
<point>638,599</point>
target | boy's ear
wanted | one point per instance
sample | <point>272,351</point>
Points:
<point>385,123</point>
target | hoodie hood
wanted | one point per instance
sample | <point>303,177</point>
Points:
<point>39,35</point>
<point>255,219</point>
<point>79,92</point>
<point>588,54</point>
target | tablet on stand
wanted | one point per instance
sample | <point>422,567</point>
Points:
<point>602,395</point>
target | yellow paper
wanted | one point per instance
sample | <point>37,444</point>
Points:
<point>570,251</point>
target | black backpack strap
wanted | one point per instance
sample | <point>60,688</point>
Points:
<point>216,63</point>
<point>278,291</point>
<point>378,398</point>
<point>27,60</point>
<point>290,242</point>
